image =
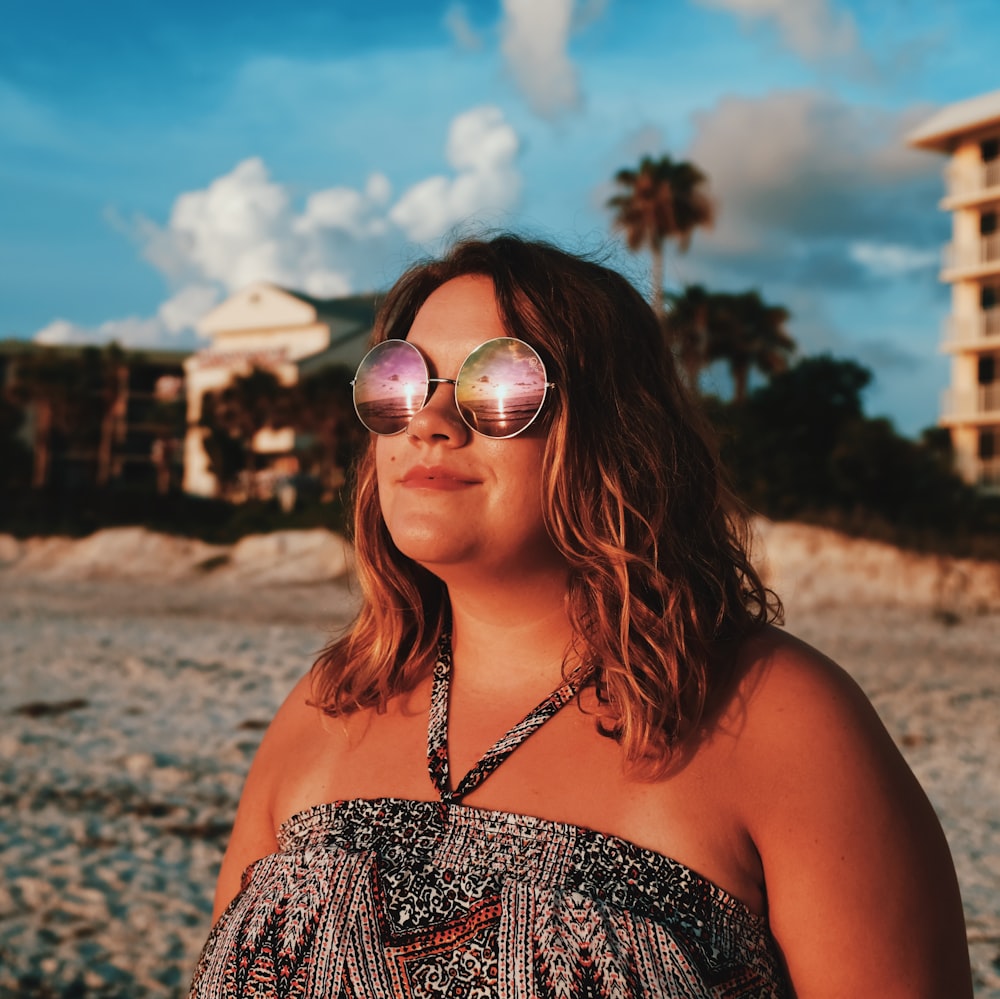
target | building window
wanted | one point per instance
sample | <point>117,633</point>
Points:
<point>990,150</point>
<point>987,223</point>
<point>988,444</point>
<point>989,303</point>
<point>987,369</point>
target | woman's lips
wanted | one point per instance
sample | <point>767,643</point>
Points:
<point>435,478</point>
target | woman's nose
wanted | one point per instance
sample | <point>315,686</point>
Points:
<point>439,421</point>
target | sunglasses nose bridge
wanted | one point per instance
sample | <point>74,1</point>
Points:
<point>432,384</point>
<point>439,418</point>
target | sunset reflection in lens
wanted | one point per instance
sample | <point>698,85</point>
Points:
<point>501,387</point>
<point>390,387</point>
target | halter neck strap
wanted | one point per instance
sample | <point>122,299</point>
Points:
<point>437,729</point>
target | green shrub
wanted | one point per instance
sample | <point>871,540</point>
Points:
<point>801,448</point>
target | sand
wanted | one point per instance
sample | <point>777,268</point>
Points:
<point>139,672</point>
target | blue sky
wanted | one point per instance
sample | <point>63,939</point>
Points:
<point>156,156</point>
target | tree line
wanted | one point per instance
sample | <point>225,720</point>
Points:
<point>795,439</point>
<point>71,407</point>
<point>798,444</point>
<point>94,436</point>
<point>318,409</point>
<point>662,200</point>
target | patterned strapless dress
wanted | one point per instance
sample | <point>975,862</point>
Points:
<point>387,898</point>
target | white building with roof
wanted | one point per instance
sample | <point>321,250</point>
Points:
<point>969,134</point>
<point>277,329</point>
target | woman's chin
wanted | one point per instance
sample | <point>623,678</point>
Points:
<point>434,553</point>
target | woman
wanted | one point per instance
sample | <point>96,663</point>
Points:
<point>699,805</point>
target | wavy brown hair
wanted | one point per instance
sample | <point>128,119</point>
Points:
<point>661,587</point>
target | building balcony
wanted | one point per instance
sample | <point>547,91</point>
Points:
<point>971,258</point>
<point>980,405</point>
<point>976,332</point>
<point>969,183</point>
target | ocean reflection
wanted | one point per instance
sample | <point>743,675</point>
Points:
<point>497,417</point>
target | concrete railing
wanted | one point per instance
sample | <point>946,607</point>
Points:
<point>971,178</point>
<point>973,329</point>
<point>973,253</point>
<point>984,400</point>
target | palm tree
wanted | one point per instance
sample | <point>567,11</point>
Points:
<point>167,418</point>
<point>686,322</point>
<point>746,332</point>
<point>15,457</point>
<point>248,404</point>
<point>660,200</point>
<point>47,383</point>
<point>324,412</point>
<point>106,376</point>
<point>226,452</point>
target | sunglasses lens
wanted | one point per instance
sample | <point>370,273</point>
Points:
<point>501,387</point>
<point>390,387</point>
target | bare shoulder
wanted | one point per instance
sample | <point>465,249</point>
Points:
<point>295,721</point>
<point>790,691</point>
<point>254,834</point>
<point>809,741</point>
<point>854,859</point>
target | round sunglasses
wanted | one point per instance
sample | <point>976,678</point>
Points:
<point>499,391</point>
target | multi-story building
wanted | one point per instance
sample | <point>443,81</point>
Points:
<point>969,134</point>
<point>85,416</point>
<point>283,331</point>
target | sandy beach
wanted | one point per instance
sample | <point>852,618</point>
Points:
<point>139,673</point>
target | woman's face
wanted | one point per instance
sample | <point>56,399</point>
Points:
<point>452,499</point>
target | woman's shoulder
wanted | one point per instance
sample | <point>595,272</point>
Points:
<point>254,833</point>
<point>279,756</point>
<point>282,776</point>
<point>781,677</point>
<point>851,849</point>
<point>776,654</point>
<point>296,715</point>
<point>300,732</point>
<point>803,725</point>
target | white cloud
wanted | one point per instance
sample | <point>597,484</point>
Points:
<point>231,232</point>
<point>823,207</point>
<point>813,29</point>
<point>806,165</point>
<point>182,311</point>
<point>132,331</point>
<point>171,327</point>
<point>244,227</point>
<point>60,331</point>
<point>359,214</point>
<point>892,259</point>
<point>482,148</point>
<point>535,37</point>
<point>480,141</point>
<point>456,20</point>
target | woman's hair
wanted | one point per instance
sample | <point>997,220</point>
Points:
<point>661,587</point>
